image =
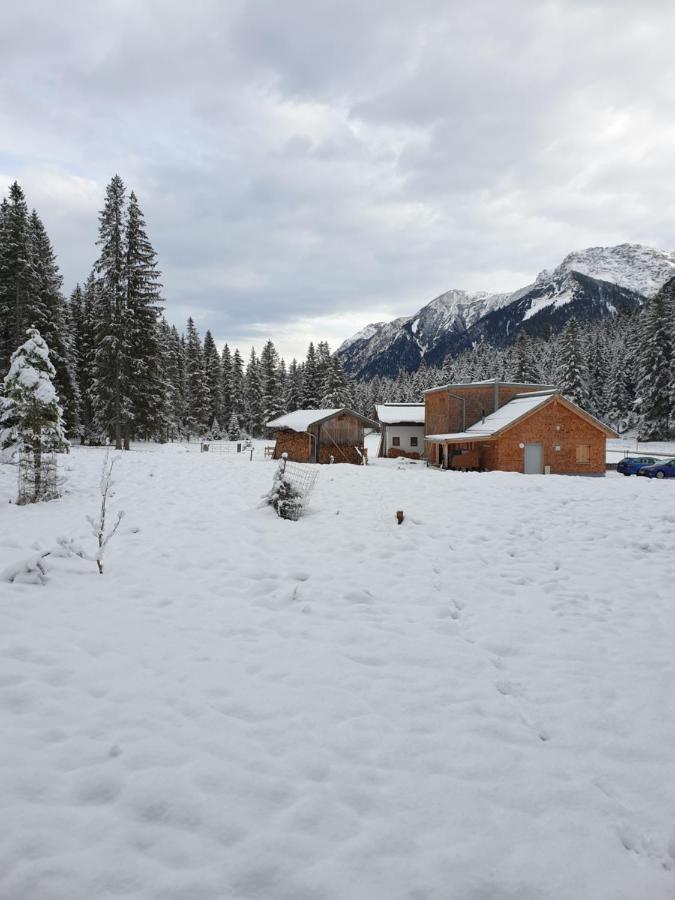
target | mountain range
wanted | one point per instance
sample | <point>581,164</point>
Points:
<point>588,284</point>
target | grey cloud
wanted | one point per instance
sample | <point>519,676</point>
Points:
<point>310,158</point>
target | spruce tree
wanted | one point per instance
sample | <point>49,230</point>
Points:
<point>226,386</point>
<point>146,389</point>
<point>17,278</point>
<point>616,400</point>
<point>173,369</point>
<point>111,391</point>
<point>293,399</point>
<point>214,380</point>
<point>522,367</point>
<point>255,412</point>
<point>50,314</point>
<point>573,372</point>
<point>197,400</point>
<point>238,387</point>
<point>655,372</point>
<point>336,388</point>
<point>31,419</point>
<point>82,305</point>
<point>311,388</point>
<point>233,428</point>
<point>272,391</point>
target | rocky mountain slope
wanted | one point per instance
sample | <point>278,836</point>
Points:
<point>589,284</point>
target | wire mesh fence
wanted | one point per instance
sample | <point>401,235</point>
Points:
<point>242,446</point>
<point>38,478</point>
<point>302,478</point>
<point>293,485</point>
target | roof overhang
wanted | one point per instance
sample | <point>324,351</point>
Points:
<point>461,437</point>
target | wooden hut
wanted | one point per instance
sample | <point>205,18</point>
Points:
<point>534,432</point>
<point>319,435</point>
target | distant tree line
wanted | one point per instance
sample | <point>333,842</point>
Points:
<point>122,372</point>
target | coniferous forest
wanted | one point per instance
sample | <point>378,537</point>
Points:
<point>123,372</point>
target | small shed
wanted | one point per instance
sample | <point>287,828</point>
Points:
<point>402,429</point>
<point>535,433</point>
<point>316,435</point>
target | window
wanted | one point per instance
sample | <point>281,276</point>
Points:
<point>396,442</point>
<point>413,441</point>
<point>584,453</point>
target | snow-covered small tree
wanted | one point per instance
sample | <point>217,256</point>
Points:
<point>31,419</point>
<point>284,497</point>
<point>216,431</point>
<point>233,428</point>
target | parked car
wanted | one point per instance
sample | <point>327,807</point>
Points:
<point>664,469</point>
<point>631,465</point>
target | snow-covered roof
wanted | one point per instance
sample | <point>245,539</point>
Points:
<point>301,419</point>
<point>502,418</point>
<point>397,413</point>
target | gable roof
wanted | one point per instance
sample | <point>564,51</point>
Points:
<point>301,419</point>
<point>521,406</point>
<point>400,413</point>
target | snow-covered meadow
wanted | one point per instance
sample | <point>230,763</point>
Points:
<point>478,704</point>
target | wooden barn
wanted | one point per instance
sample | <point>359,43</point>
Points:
<point>402,429</point>
<point>512,428</point>
<point>317,435</point>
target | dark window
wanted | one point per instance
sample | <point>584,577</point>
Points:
<point>396,442</point>
<point>413,441</point>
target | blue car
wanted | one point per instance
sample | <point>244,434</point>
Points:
<point>631,465</point>
<point>665,469</point>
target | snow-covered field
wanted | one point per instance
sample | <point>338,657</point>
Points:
<point>478,704</point>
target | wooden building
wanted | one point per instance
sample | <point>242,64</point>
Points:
<point>513,428</point>
<point>317,435</point>
<point>402,429</point>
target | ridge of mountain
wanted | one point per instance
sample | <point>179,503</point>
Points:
<point>589,284</point>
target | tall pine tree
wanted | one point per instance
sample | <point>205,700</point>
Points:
<point>197,400</point>
<point>214,381</point>
<point>146,389</point>
<point>111,391</point>
<point>573,371</point>
<point>655,371</point>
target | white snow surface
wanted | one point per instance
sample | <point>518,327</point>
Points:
<point>477,704</point>
<point>395,413</point>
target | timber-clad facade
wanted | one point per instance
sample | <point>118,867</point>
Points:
<point>321,436</point>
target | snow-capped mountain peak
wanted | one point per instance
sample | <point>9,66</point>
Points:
<point>633,266</point>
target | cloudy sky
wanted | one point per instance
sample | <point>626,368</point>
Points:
<point>308,166</point>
